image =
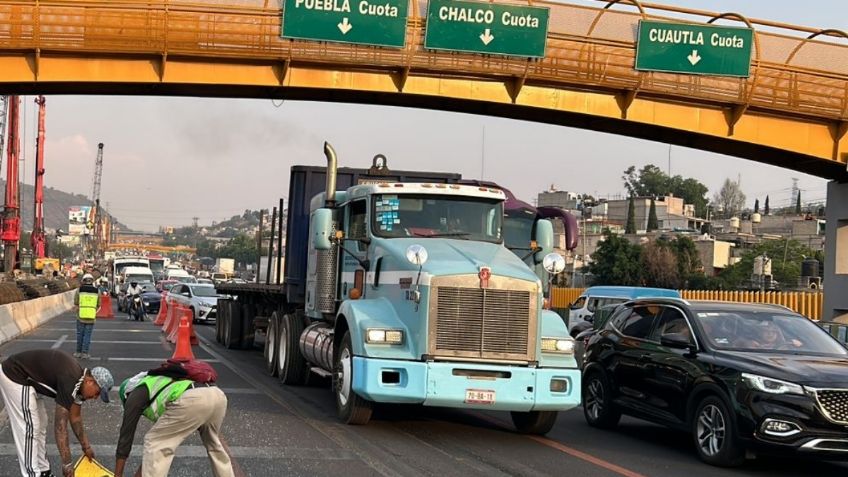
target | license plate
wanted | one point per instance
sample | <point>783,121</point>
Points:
<point>479,396</point>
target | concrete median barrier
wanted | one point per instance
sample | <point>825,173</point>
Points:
<point>24,316</point>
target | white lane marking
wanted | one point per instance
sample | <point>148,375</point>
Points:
<point>152,360</point>
<point>101,329</point>
<point>29,340</point>
<point>300,453</point>
<point>58,342</point>
<point>329,431</point>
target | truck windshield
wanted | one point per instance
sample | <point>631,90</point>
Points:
<point>432,216</point>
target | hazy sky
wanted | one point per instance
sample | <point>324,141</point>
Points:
<point>170,159</point>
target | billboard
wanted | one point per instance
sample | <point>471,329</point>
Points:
<point>80,220</point>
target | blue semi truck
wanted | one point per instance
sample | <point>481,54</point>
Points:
<point>399,287</point>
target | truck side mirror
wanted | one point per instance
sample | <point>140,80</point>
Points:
<point>544,239</point>
<point>322,229</point>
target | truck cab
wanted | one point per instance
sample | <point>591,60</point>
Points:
<point>412,297</point>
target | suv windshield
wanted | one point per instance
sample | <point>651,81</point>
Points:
<point>765,331</point>
<point>430,216</point>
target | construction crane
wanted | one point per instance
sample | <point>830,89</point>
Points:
<point>97,242</point>
<point>4,106</point>
<point>38,237</point>
<point>11,230</point>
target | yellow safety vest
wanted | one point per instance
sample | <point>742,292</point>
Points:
<point>154,384</point>
<point>88,306</point>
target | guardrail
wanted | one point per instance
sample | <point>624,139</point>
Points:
<point>806,303</point>
<point>586,47</point>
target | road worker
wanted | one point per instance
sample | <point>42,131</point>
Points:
<point>28,376</point>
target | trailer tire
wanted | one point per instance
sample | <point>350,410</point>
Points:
<point>351,407</point>
<point>534,422</point>
<point>221,322</point>
<point>248,313</point>
<point>291,365</point>
<point>233,329</point>
<point>272,335</point>
<point>225,320</point>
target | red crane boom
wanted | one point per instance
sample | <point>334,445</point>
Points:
<point>38,239</point>
<point>11,233</point>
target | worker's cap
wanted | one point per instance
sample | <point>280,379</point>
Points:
<point>87,278</point>
<point>104,380</point>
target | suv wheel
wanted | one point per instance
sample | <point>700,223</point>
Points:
<point>598,408</point>
<point>715,434</point>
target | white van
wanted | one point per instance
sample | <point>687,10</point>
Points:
<point>593,298</point>
<point>179,275</point>
<point>137,274</point>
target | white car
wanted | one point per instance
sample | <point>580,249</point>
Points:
<point>202,299</point>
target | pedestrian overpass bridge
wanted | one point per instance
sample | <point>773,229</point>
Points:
<point>792,111</point>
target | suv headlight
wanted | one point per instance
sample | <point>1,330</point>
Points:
<point>383,336</point>
<point>558,345</point>
<point>771,385</point>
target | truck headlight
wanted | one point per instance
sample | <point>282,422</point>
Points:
<point>383,336</point>
<point>558,345</point>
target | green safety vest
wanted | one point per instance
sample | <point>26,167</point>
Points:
<point>88,306</point>
<point>154,384</point>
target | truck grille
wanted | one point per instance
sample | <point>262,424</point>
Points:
<point>496,323</point>
<point>834,404</point>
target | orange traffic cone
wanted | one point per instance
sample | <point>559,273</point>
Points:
<point>105,310</point>
<point>183,348</point>
<point>163,312</point>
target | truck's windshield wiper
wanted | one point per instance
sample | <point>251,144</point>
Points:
<point>450,234</point>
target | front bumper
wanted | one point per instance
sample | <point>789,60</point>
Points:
<point>445,384</point>
<point>207,314</point>
<point>812,434</point>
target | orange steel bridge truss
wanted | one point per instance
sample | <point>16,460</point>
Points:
<point>792,111</point>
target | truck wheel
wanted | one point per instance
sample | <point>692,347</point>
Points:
<point>272,334</point>
<point>352,408</point>
<point>248,313</point>
<point>534,422</point>
<point>291,365</point>
<point>233,330</point>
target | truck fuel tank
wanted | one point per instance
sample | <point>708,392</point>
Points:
<point>316,345</point>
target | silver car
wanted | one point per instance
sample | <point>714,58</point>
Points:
<point>201,298</point>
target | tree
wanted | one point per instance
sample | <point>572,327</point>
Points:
<point>689,265</point>
<point>653,222</point>
<point>730,198</point>
<point>630,228</point>
<point>798,203</point>
<point>652,181</point>
<point>757,206</point>
<point>766,208</point>
<point>786,255</point>
<point>616,262</point>
<point>659,265</point>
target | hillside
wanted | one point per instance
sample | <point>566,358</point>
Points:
<point>56,204</point>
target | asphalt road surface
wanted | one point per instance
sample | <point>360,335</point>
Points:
<point>274,430</point>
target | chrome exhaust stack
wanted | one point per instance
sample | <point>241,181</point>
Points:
<point>332,165</point>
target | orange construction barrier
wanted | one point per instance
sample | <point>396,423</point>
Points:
<point>172,320</point>
<point>183,336</point>
<point>105,310</point>
<point>185,314</point>
<point>163,311</point>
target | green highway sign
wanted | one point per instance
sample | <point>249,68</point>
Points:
<point>492,28</point>
<point>367,22</point>
<point>694,49</point>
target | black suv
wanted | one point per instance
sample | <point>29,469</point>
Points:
<point>736,376</point>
